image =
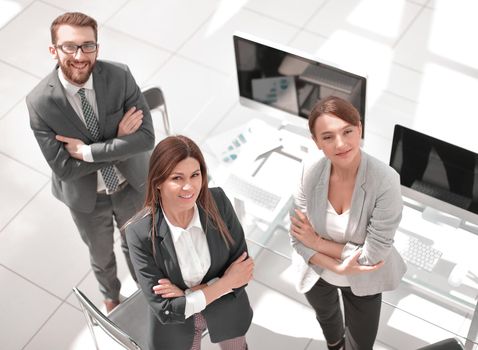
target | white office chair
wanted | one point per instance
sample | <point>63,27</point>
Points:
<point>155,99</point>
<point>126,324</point>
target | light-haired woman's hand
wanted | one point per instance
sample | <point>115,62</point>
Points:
<point>167,290</point>
<point>351,266</point>
<point>302,229</point>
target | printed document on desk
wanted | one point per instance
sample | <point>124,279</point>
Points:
<point>249,140</point>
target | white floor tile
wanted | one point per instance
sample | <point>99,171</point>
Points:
<point>24,41</point>
<point>10,9</point>
<point>413,50</point>
<point>322,345</point>
<point>240,115</point>
<point>276,328</point>
<point>424,306</point>
<point>376,20</point>
<point>48,237</point>
<point>166,24</point>
<point>24,308</point>
<point>459,87</point>
<point>89,285</point>
<point>380,346</point>
<point>275,272</point>
<point>386,111</point>
<point>19,142</point>
<point>259,337</point>
<point>14,188</point>
<point>99,10</point>
<point>378,146</point>
<point>404,82</point>
<point>66,330</point>
<point>211,114</point>
<point>308,42</point>
<point>439,36</point>
<point>398,328</point>
<point>14,86</point>
<point>117,46</point>
<point>190,90</point>
<point>459,4</point>
<point>317,345</point>
<point>213,45</point>
<point>422,2</point>
<point>285,10</point>
<point>279,242</point>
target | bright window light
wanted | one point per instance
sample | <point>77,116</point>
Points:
<point>225,11</point>
<point>382,17</point>
<point>424,308</point>
<point>272,311</point>
<point>453,31</point>
<point>9,10</point>
<point>444,105</point>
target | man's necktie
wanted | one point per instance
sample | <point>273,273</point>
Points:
<point>108,172</point>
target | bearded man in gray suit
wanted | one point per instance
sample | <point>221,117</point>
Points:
<point>95,130</point>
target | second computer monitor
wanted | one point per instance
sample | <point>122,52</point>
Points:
<point>285,80</point>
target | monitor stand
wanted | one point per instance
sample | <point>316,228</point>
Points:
<point>470,227</point>
<point>296,129</point>
<point>439,217</point>
<point>295,140</point>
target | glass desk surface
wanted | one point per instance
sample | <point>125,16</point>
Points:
<point>447,302</point>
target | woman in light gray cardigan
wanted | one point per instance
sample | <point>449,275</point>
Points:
<point>348,207</point>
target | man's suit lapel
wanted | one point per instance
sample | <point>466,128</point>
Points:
<point>59,97</point>
<point>99,84</point>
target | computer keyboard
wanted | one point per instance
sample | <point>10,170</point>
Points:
<point>418,253</point>
<point>252,192</point>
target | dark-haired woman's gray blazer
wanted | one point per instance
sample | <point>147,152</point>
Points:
<point>227,317</point>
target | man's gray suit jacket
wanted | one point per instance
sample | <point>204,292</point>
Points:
<point>74,182</point>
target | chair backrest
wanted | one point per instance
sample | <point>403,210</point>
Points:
<point>155,99</point>
<point>447,344</point>
<point>126,324</point>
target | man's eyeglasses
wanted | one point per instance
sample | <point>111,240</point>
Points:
<point>70,48</point>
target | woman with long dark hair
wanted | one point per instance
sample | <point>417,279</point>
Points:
<point>189,253</point>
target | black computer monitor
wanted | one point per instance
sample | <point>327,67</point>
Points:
<point>287,83</point>
<point>436,173</point>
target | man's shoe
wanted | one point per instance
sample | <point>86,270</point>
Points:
<point>111,304</point>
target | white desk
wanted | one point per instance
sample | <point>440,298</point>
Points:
<point>426,296</point>
<point>429,295</point>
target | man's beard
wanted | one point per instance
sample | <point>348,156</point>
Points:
<point>72,74</point>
